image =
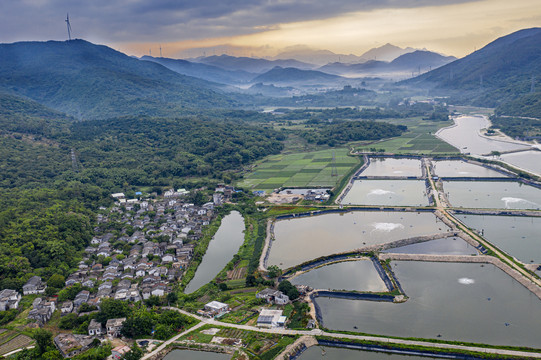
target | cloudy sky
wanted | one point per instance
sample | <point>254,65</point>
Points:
<point>264,27</point>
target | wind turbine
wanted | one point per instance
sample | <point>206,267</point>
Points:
<point>69,26</point>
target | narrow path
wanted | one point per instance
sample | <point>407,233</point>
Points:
<point>174,338</point>
<point>317,332</point>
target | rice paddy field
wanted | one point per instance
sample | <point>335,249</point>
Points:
<point>419,139</point>
<point>308,169</point>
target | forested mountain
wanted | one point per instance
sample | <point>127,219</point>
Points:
<point>280,75</point>
<point>500,72</point>
<point>253,65</point>
<point>93,81</point>
<point>203,71</point>
<point>420,59</point>
<point>409,62</point>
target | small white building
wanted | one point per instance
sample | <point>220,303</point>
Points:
<point>215,308</point>
<point>271,318</point>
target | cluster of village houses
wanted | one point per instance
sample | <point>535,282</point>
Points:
<point>150,268</point>
<point>160,248</point>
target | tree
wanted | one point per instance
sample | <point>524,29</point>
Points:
<point>44,339</point>
<point>287,288</point>
<point>112,309</point>
<point>135,353</point>
<point>251,281</point>
<point>56,281</point>
<point>274,271</point>
<point>172,298</point>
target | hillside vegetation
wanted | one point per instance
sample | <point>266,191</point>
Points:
<point>91,81</point>
<point>498,75</point>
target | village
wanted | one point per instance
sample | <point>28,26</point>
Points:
<point>141,249</point>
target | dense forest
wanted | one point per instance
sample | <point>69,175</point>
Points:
<point>42,231</point>
<point>345,131</point>
<point>520,128</point>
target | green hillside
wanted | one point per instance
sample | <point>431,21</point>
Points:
<point>92,81</point>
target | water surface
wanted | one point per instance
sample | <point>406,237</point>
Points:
<point>331,353</point>
<point>518,236</point>
<point>445,246</point>
<point>465,136</point>
<point>357,275</point>
<point>195,355</point>
<point>457,301</point>
<point>222,247</point>
<point>387,192</point>
<point>527,160</point>
<point>393,167</point>
<point>493,195</point>
<point>459,168</point>
<point>302,239</point>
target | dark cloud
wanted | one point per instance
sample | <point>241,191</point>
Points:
<point>170,20</point>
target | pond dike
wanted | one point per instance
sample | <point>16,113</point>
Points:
<point>390,350</point>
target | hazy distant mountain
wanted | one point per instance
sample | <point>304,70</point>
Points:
<point>420,59</point>
<point>94,81</point>
<point>280,75</point>
<point>253,65</point>
<point>271,90</point>
<point>410,62</point>
<point>319,57</point>
<point>387,52</point>
<point>499,72</point>
<point>203,71</point>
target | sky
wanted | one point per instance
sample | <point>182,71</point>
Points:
<point>264,28</point>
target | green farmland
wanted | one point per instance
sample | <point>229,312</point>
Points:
<point>307,169</point>
<point>419,139</point>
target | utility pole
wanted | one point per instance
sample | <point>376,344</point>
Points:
<point>69,26</point>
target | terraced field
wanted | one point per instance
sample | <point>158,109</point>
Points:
<point>10,340</point>
<point>309,169</point>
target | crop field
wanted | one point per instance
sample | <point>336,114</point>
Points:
<point>309,169</point>
<point>419,139</point>
<point>11,341</point>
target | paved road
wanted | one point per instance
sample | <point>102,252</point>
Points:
<point>318,332</point>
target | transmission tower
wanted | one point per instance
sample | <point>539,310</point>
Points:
<point>160,50</point>
<point>334,171</point>
<point>69,26</point>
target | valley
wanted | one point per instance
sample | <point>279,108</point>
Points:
<point>289,207</point>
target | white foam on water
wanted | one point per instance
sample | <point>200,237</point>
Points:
<point>466,281</point>
<point>511,200</point>
<point>387,227</point>
<point>380,192</point>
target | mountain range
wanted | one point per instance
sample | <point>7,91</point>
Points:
<point>499,73</point>
<point>419,60</point>
<point>93,81</point>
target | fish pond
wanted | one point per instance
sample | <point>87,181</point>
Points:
<point>393,167</point>
<point>298,240</point>
<point>459,168</point>
<point>359,275</point>
<point>195,355</point>
<point>516,235</point>
<point>447,301</point>
<point>387,192</point>
<point>492,195</point>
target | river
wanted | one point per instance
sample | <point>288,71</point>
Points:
<point>465,135</point>
<point>222,247</point>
